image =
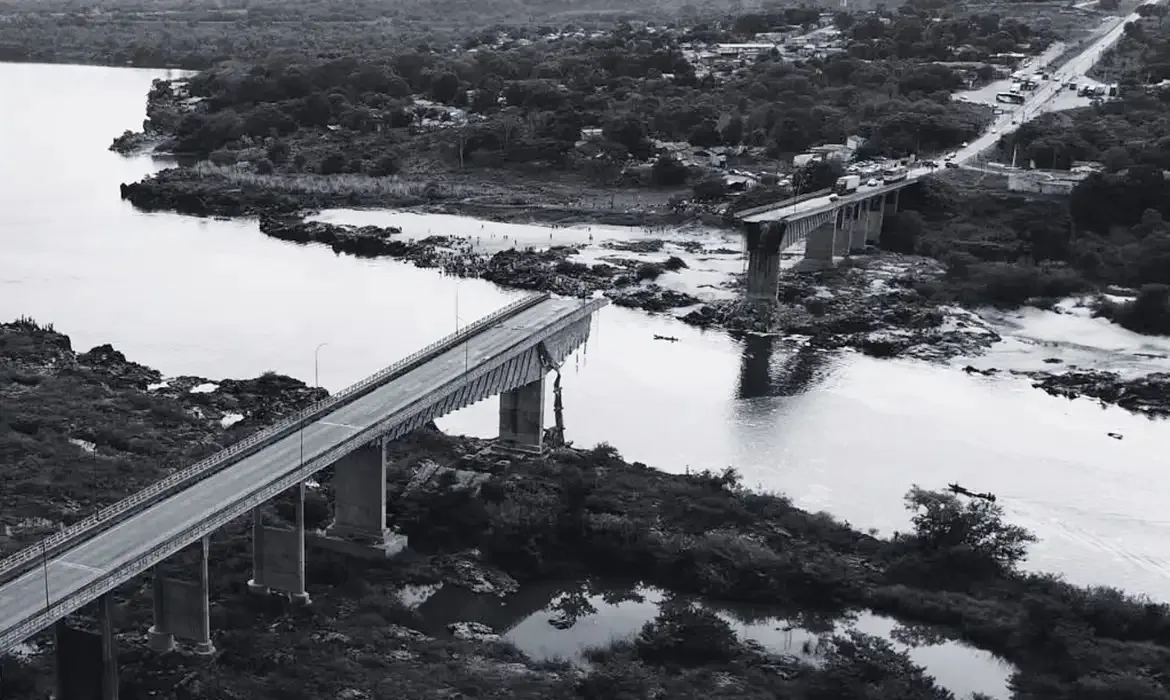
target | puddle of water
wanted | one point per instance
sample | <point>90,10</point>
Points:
<point>534,620</point>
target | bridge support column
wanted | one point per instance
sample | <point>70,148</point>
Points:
<point>763,251</point>
<point>873,224</point>
<point>278,555</point>
<point>183,609</point>
<point>359,506</point>
<point>860,230</point>
<point>841,235</point>
<point>522,417</point>
<point>87,662</point>
<point>818,248</point>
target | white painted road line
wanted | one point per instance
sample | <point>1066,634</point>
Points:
<point>80,567</point>
<point>339,425</point>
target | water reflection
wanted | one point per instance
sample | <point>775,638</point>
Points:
<point>796,372</point>
<point>563,620</point>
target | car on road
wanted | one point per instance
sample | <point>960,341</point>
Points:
<point>952,164</point>
<point>872,182</point>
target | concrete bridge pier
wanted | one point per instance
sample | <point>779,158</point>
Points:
<point>763,251</point>
<point>818,248</point>
<point>182,608</point>
<point>842,233</point>
<point>873,224</point>
<point>860,229</point>
<point>359,505</point>
<point>278,554</point>
<point>522,417</point>
<point>87,662</point>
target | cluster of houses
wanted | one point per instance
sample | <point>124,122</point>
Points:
<point>790,43</point>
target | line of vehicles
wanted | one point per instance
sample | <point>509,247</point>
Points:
<point>847,184</point>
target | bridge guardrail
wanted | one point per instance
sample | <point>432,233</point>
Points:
<point>225,513</point>
<point>256,440</point>
<point>763,208</point>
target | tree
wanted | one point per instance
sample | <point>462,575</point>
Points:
<point>444,88</point>
<point>668,172</point>
<point>964,538</point>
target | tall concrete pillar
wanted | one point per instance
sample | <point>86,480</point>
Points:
<point>818,249</point>
<point>87,664</point>
<point>183,608</point>
<point>763,274</point>
<point>278,555</point>
<point>763,251</point>
<point>522,417</point>
<point>860,230</point>
<point>359,495</point>
<point>873,228</point>
<point>841,235</point>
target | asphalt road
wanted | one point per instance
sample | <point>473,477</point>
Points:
<point>1039,101</point>
<point>76,568</point>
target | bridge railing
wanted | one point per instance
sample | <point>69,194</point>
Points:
<point>764,208</point>
<point>255,441</point>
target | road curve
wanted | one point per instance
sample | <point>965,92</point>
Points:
<point>1078,65</point>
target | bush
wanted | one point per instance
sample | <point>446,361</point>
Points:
<point>687,635</point>
<point>961,540</point>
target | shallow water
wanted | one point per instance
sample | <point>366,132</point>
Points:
<point>839,432</point>
<point>526,620</point>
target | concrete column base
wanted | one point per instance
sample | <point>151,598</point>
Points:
<point>813,265</point>
<point>388,546</point>
<point>203,648</point>
<point>512,449</point>
<point>159,641</point>
<point>300,598</point>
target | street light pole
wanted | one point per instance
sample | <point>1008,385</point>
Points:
<point>317,364</point>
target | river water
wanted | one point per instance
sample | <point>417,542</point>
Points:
<point>843,433</point>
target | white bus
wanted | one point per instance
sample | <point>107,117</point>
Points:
<point>1010,97</point>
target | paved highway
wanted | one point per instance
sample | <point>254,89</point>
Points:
<point>1072,70</point>
<point>76,568</point>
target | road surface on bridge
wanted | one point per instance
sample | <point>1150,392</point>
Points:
<point>1008,122</point>
<point>76,568</point>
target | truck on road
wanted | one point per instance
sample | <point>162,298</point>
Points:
<point>847,184</point>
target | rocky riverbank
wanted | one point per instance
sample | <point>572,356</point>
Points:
<point>205,189</point>
<point>869,302</point>
<point>81,429</point>
<point>486,522</point>
<point>627,282</point>
<point>1149,394</point>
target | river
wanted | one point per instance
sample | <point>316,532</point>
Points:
<point>849,435</point>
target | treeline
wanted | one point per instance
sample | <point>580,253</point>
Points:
<point>529,103</point>
<point>928,35</point>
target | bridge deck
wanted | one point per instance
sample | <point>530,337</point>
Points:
<point>83,564</point>
<point>811,207</point>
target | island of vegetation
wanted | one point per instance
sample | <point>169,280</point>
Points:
<point>97,427</point>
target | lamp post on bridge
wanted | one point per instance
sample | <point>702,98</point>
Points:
<point>317,365</point>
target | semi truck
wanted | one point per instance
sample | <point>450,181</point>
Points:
<point>847,184</point>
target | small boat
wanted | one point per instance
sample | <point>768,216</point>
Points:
<point>668,338</point>
<point>955,488</point>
